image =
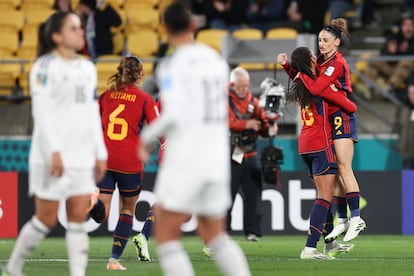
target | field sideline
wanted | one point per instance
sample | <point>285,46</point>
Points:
<point>272,255</point>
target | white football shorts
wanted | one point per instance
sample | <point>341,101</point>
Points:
<point>193,192</point>
<point>73,182</point>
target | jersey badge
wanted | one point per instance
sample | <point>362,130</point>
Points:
<point>41,79</point>
<point>329,71</point>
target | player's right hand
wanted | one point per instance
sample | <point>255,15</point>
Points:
<point>56,166</point>
<point>143,152</point>
<point>100,169</point>
<point>282,58</point>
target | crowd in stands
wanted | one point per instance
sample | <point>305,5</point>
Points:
<point>119,27</point>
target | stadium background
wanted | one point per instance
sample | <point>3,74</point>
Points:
<point>387,190</point>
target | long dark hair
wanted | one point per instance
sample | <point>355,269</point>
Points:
<point>128,72</point>
<point>301,61</point>
<point>52,25</point>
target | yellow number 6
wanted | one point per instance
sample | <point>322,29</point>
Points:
<point>114,120</point>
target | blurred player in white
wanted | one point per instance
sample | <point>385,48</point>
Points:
<point>195,176</point>
<point>68,152</point>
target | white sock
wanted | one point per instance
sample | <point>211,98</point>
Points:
<point>309,249</point>
<point>77,243</point>
<point>174,260</point>
<point>342,220</point>
<point>228,256</point>
<point>31,235</point>
<point>356,217</point>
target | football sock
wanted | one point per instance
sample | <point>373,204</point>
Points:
<point>353,203</point>
<point>174,260</point>
<point>77,243</point>
<point>228,256</point>
<point>341,207</point>
<point>146,230</point>
<point>121,235</point>
<point>317,219</point>
<point>98,212</point>
<point>328,226</point>
<point>31,235</point>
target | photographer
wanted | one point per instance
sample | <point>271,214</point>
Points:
<point>247,120</point>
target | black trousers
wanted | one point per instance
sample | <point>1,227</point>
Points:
<point>246,178</point>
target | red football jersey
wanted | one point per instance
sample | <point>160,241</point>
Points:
<point>123,115</point>
<point>316,134</point>
<point>333,70</point>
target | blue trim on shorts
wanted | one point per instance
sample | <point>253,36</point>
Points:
<point>129,185</point>
<point>344,125</point>
<point>318,162</point>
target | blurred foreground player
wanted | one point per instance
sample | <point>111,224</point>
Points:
<point>195,176</point>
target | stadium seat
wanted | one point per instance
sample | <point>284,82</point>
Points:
<point>9,4</point>
<point>7,82</point>
<point>140,4</point>
<point>37,16</point>
<point>11,20</point>
<point>74,4</point>
<point>148,68</point>
<point>143,44</point>
<point>118,40</point>
<point>248,34</point>
<point>34,18</point>
<point>30,39</point>
<point>27,53</point>
<point>10,70</point>
<point>9,42</point>
<point>211,37</point>
<point>30,5</point>
<point>282,33</point>
<point>147,18</point>
<point>116,4</point>
<point>105,70</point>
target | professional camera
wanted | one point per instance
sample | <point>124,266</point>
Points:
<point>273,100</point>
<point>272,97</point>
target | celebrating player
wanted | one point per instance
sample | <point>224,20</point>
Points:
<point>124,110</point>
<point>316,148</point>
<point>333,68</point>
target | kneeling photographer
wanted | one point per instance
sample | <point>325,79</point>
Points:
<point>247,121</point>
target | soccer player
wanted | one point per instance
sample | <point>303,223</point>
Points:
<point>316,148</point>
<point>124,110</point>
<point>333,68</point>
<point>195,175</point>
<point>67,153</point>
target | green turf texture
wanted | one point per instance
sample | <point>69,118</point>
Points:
<point>272,255</point>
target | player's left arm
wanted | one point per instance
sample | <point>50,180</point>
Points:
<point>317,85</point>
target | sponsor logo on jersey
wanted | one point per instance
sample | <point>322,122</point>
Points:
<point>339,132</point>
<point>329,71</point>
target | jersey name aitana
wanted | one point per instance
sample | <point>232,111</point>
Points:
<point>124,113</point>
<point>194,117</point>
<point>65,112</point>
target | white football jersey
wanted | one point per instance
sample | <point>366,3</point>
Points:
<point>65,112</point>
<point>194,109</point>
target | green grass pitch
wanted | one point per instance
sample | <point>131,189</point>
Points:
<point>272,255</point>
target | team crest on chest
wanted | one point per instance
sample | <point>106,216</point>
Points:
<point>329,71</point>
